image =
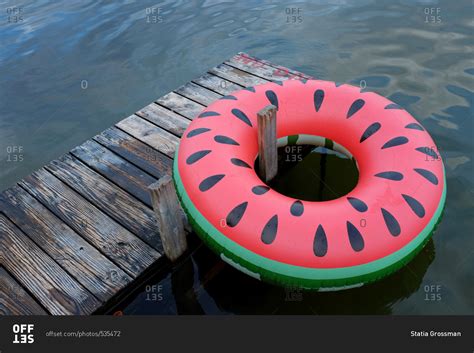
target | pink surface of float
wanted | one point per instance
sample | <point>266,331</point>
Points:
<point>400,186</point>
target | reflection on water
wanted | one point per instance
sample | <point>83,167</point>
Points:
<point>204,284</point>
<point>71,69</point>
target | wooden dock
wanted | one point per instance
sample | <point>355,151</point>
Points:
<point>78,233</point>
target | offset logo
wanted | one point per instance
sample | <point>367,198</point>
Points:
<point>23,333</point>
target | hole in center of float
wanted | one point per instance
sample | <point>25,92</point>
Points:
<point>313,168</point>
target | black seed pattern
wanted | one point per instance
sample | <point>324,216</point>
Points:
<point>209,182</point>
<point>355,238</point>
<point>393,106</point>
<point>415,205</point>
<point>297,208</point>
<point>241,115</point>
<point>396,141</point>
<point>229,97</point>
<point>355,107</point>
<point>391,222</point>
<point>427,175</point>
<point>251,89</point>
<point>303,80</point>
<point>239,163</point>
<point>269,232</point>
<point>318,99</point>
<point>196,132</point>
<point>372,129</point>
<point>390,175</point>
<point>272,97</point>
<point>337,84</point>
<point>428,151</point>
<point>234,216</point>
<point>278,82</point>
<point>197,156</point>
<point>320,243</point>
<point>260,189</point>
<point>225,140</point>
<point>206,114</point>
<point>414,126</point>
<point>358,204</point>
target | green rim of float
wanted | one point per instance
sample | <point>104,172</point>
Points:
<point>290,275</point>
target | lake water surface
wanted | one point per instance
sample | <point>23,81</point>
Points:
<point>70,69</point>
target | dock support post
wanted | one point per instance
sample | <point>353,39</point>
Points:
<point>267,143</point>
<point>170,217</point>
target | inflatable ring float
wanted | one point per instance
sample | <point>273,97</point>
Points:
<point>342,243</point>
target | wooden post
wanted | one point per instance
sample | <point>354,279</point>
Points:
<point>171,223</point>
<point>267,143</point>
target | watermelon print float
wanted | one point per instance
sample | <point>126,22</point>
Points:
<point>342,243</point>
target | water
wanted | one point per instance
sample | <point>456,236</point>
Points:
<point>310,173</point>
<point>73,68</point>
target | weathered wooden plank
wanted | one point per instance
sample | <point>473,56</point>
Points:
<point>14,300</point>
<point>56,290</point>
<point>136,152</point>
<point>237,76</point>
<point>116,169</point>
<point>267,143</point>
<point>118,204</point>
<point>75,255</point>
<point>113,240</point>
<point>181,105</point>
<point>197,93</point>
<point>263,70</point>
<point>164,118</point>
<point>217,84</point>
<point>168,213</point>
<point>283,69</point>
<point>150,134</point>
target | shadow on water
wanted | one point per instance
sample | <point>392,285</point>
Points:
<point>204,284</point>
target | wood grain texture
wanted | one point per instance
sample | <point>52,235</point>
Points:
<point>267,143</point>
<point>136,152</point>
<point>217,84</point>
<point>237,76</point>
<point>113,240</point>
<point>82,261</point>
<point>150,134</point>
<point>197,93</point>
<point>14,300</point>
<point>181,105</point>
<point>168,213</point>
<point>164,118</point>
<point>241,56</point>
<point>55,289</point>
<point>263,70</point>
<point>112,200</point>
<point>116,169</point>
